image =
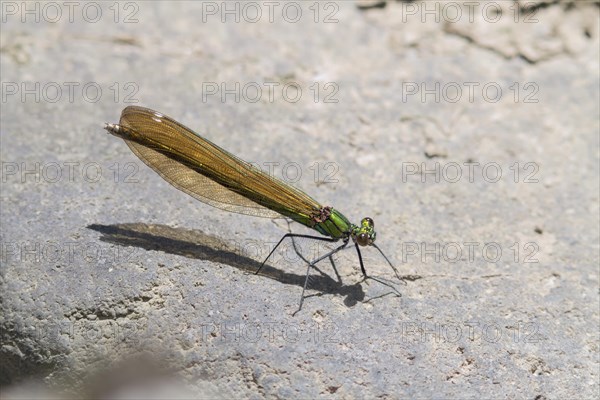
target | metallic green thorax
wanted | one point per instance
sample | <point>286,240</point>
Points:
<point>330,222</point>
<point>334,225</point>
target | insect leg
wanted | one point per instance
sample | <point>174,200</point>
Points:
<point>293,235</point>
<point>362,267</point>
<point>311,264</point>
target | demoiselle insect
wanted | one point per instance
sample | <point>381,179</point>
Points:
<point>216,177</point>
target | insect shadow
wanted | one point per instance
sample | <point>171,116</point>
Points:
<point>198,245</point>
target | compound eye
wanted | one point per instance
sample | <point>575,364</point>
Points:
<point>368,221</point>
<point>362,239</point>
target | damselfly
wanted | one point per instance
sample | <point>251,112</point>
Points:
<point>216,177</point>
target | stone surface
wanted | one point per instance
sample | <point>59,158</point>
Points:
<point>115,284</point>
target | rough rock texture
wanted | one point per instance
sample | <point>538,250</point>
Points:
<point>470,134</point>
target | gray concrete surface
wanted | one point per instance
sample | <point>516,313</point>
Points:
<point>115,284</point>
